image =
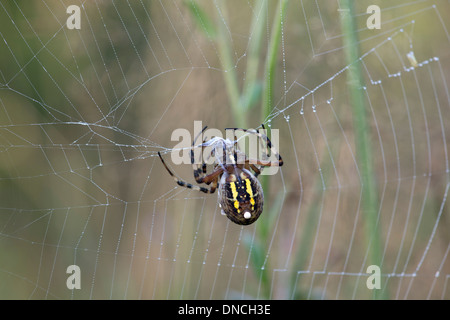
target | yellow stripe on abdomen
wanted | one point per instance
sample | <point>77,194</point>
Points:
<point>250,192</point>
<point>235,195</point>
<point>233,190</point>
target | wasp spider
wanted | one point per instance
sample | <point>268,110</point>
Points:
<point>240,193</point>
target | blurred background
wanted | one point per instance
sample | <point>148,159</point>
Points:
<point>83,113</point>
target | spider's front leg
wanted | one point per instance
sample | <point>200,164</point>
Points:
<point>187,184</point>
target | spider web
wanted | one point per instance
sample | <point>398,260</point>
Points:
<point>84,112</point>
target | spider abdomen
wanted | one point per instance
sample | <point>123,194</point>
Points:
<point>241,196</point>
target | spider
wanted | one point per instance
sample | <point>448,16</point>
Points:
<point>240,194</point>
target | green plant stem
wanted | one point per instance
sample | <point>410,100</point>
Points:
<point>271,60</point>
<point>362,136</point>
<point>254,52</point>
<point>308,232</point>
<point>231,83</point>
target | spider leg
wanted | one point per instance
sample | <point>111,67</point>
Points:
<point>256,170</point>
<point>186,184</point>
<point>214,185</point>
<point>262,163</point>
<point>271,147</point>
<point>203,130</point>
<point>198,171</point>
<point>268,147</point>
<point>203,171</point>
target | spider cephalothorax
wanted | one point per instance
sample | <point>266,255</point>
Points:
<point>241,196</point>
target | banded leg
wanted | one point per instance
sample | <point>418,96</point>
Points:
<point>265,163</point>
<point>211,178</point>
<point>199,171</point>
<point>268,146</point>
<point>256,170</point>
